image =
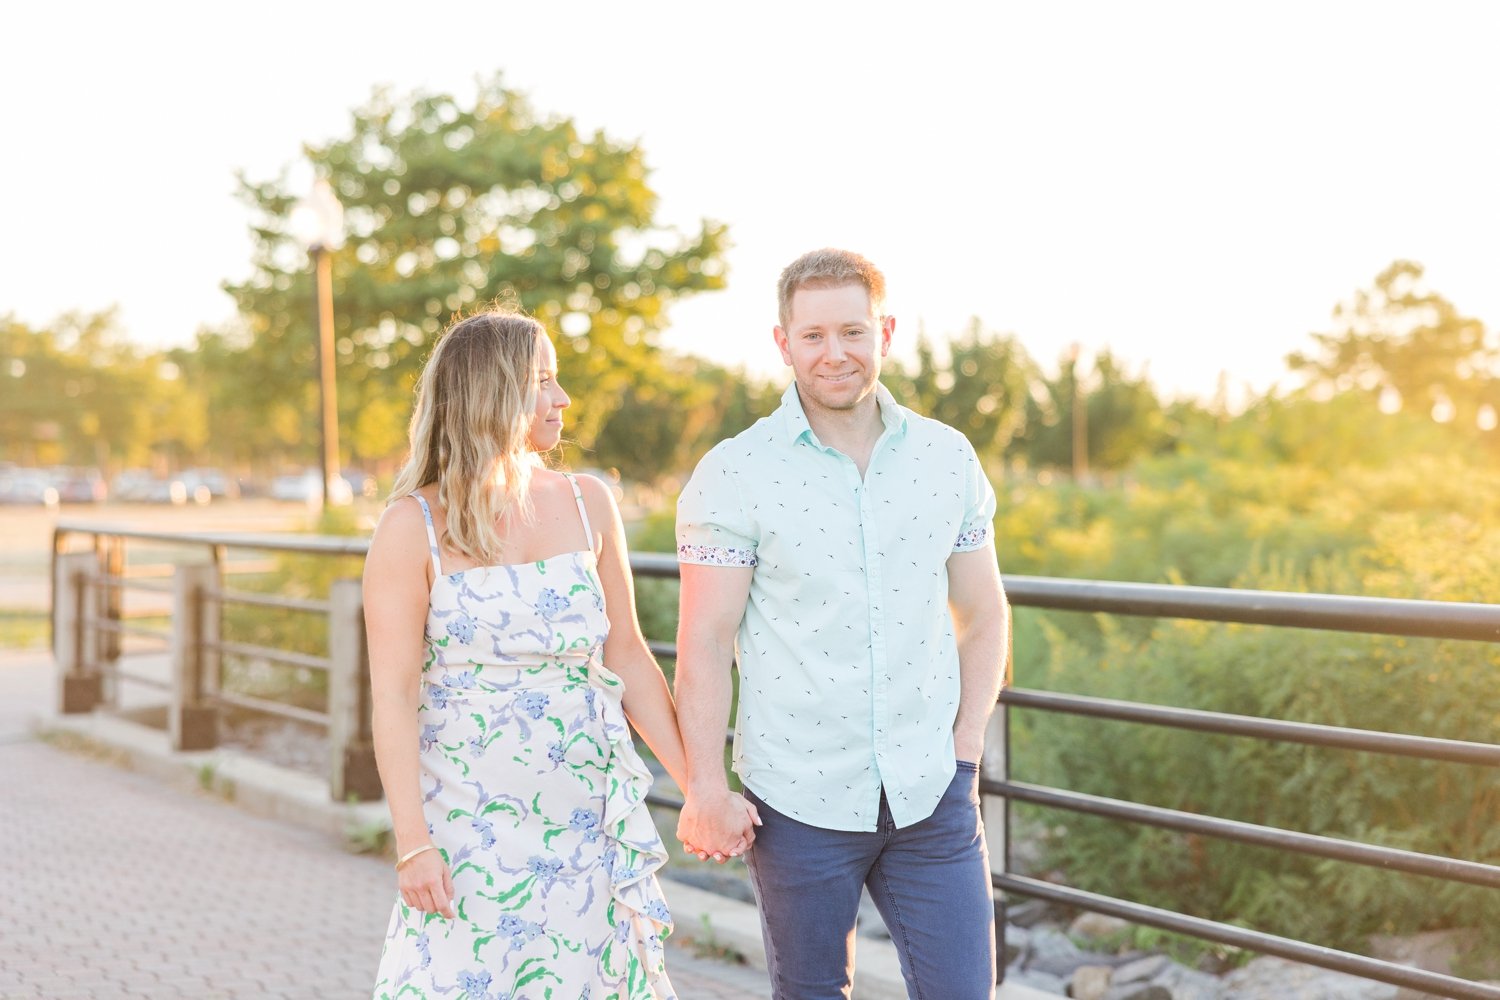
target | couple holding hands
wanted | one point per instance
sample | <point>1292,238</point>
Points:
<point>838,552</point>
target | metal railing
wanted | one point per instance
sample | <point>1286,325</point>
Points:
<point>90,619</point>
<point>83,643</point>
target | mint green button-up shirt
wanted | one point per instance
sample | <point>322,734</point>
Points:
<point>849,679</point>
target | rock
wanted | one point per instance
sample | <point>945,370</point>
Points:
<point>1139,991</point>
<point>1140,970</point>
<point>1037,980</point>
<point>1098,927</point>
<point>1089,982</point>
<point>1017,942</point>
<point>1027,913</point>
<point>1268,978</point>
<point>1182,983</point>
<point>1053,952</point>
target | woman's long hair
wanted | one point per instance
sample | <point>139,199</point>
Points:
<point>471,429</point>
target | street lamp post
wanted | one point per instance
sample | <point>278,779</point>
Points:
<point>319,221</point>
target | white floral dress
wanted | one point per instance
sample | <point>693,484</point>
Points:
<point>535,795</point>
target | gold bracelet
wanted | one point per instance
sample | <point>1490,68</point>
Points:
<point>411,854</point>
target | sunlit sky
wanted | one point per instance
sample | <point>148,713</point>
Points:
<point>1194,185</point>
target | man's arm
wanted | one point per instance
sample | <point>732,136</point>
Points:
<point>713,821</point>
<point>981,619</point>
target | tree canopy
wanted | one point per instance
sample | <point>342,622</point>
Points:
<point>449,205</point>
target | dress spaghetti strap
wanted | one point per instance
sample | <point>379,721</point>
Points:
<point>588,532</point>
<point>432,545</point>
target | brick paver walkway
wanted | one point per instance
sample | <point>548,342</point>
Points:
<point>112,885</point>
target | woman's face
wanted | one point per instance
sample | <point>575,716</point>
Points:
<point>546,420</point>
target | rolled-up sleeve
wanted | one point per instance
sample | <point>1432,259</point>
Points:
<point>979,506</point>
<point>712,526</point>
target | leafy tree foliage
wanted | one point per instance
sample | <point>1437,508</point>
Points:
<point>449,205</point>
<point>1124,418</point>
<point>980,388</point>
<point>80,392</point>
<point>1403,338</point>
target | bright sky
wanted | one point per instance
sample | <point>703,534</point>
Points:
<point>1194,185</point>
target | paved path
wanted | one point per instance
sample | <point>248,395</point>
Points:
<point>115,885</point>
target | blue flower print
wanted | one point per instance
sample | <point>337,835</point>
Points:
<point>555,752</point>
<point>545,868</point>
<point>587,821</point>
<point>437,694</point>
<point>463,679</point>
<point>626,874</point>
<point>424,948</point>
<point>486,831</point>
<point>549,602</point>
<point>534,703</point>
<point>589,696</point>
<point>429,737</point>
<point>476,745</point>
<point>476,984</point>
<point>462,628</point>
<point>657,910</point>
<point>520,932</point>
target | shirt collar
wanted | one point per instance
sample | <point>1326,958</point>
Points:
<point>794,417</point>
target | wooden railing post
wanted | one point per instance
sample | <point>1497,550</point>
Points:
<point>73,576</point>
<point>351,765</point>
<point>193,725</point>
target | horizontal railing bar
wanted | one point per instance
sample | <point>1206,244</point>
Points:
<point>663,650</point>
<point>334,545</point>
<point>164,570</point>
<point>142,679</point>
<point>1251,940</point>
<point>285,656</point>
<point>658,565</point>
<point>1450,869</point>
<point>104,582</point>
<point>270,707</point>
<point>1426,747</point>
<point>267,601</point>
<point>1384,615</point>
<point>120,628</point>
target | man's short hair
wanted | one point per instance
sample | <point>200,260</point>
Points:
<point>829,268</point>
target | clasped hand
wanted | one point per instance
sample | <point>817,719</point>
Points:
<point>718,826</point>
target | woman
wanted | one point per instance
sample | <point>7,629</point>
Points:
<point>504,658</point>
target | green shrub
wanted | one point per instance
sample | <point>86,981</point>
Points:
<point>1422,530</point>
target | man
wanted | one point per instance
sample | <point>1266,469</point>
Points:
<point>843,544</point>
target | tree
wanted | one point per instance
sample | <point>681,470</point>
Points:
<point>1411,345</point>
<point>78,392</point>
<point>450,205</point>
<point>1124,417</point>
<point>980,388</point>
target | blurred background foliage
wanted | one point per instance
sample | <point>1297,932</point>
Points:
<point>1377,475</point>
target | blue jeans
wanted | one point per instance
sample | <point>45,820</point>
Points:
<point>930,880</point>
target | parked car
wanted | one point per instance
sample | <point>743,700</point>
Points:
<point>144,486</point>
<point>215,481</point>
<point>28,486</point>
<point>79,485</point>
<point>307,487</point>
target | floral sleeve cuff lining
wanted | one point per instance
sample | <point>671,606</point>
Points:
<point>972,539</point>
<point>715,555</point>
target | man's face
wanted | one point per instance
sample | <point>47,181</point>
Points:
<point>834,343</point>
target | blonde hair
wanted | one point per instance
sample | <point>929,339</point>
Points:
<point>829,268</point>
<point>471,428</point>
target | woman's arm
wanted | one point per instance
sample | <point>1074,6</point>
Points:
<point>397,581</point>
<point>648,701</point>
